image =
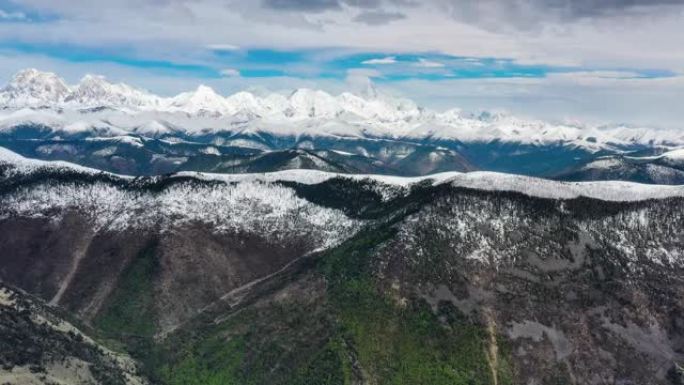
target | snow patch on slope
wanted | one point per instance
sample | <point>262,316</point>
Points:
<point>479,180</point>
<point>675,157</point>
<point>258,207</point>
<point>537,187</point>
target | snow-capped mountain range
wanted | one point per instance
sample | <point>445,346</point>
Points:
<point>42,98</point>
<point>31,88</point>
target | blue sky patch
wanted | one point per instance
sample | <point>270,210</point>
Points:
<point>324,63</point>
<point>75,54</point>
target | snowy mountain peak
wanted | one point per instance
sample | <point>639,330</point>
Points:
<point>203,99</point>
<point>312,103</point>
<point>95,91</point>
<point>205,91</point>
<point>33,77</point>
<point>93,79</point>
<point>247,104</point>
<point>31,87</point>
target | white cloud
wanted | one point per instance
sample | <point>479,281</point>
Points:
<point>619,82</point>
<point>428,63</point>
<point>174,28</point>
<point>652,102</point>
<point>384,60</point>
<point>223,47</point>
<point>12,16</point>
<point>230,72</point>
<point>360,80</point>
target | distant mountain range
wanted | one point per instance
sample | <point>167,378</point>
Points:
<point>667,168</point>
<point>123,129</point>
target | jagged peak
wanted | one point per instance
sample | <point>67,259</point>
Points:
<point>93,78</point>
<point>31,86</point>
<point>203,89</point>
<point>35,80</point>
<point>244,97</point>
<point>202,92</point>
<point>31,74</point>
<point>203,99</point>
<point>92,82</point>
<point>97,90</point>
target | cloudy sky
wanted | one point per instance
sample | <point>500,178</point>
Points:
<point>619,61</point>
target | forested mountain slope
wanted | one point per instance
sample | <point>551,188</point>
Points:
<point>310,277</point>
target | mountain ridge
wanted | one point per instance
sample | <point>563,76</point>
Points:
<point>665,168</point>
<point>95,102</point>
<point>617,191</point>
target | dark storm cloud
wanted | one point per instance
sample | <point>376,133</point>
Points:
<point>378,17</point>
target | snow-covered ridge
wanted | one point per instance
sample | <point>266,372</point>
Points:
<point>263,208</point>
<point>479,180</point>
<point>673,157</point>
<point>616,191</point>
<point>22,164</point>
<point>250,206</point>
<point>34,97</point>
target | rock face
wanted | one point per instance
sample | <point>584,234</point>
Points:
<point>302,278</point>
